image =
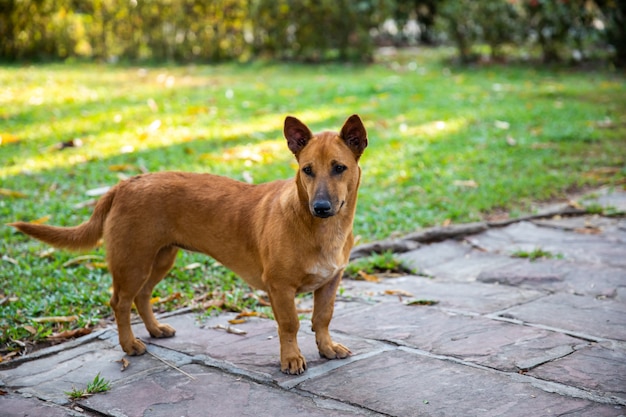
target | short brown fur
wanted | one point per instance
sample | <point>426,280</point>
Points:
<point>283,237</point>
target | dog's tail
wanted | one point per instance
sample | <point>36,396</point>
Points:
<point>81,237</point>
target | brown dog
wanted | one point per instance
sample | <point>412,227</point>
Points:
<point>283,237</point>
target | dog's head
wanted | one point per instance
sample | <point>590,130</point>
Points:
<point>329,174</point>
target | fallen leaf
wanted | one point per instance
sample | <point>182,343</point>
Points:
<point>231,329</point>
<point>213,303</point>
<point>122,167</point>
<point>10,193</point>
<point>30,329</point>
<point>40,220</point>
<point>8,356</point>
<point>398,292</point>
<point>171,297</point>
<point>446,222</point>
<point>502,124</point>
<point>69,334</point>
<point>422,303</point>
<point>589,230</point>
<point>81,259</point>
<point>368,277</point>
<point>94,192</point>
<point>46,253</point>
<point>87,203</point>
<point>125,364</point>
<point>2,392</point>
<point>192,266</point>
<point>7,138</point>
<point>55,319</point>
<point>247,314</point>
<point>466,183</point>
<point>237,321</point>
<point>10,260</point>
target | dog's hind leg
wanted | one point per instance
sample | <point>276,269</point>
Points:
<point>131,270</point>
<point>162,264</point>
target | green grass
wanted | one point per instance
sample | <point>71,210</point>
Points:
<point>97,385</point>
<point>377,263</point>
<point>446,144</point>
<point>537,253</point>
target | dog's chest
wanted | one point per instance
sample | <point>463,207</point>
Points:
<point>322,270</point>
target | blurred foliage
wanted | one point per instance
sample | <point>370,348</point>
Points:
<point>306,30</point>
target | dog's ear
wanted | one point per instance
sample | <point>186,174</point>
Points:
<point>354,135</point>
<point>297,134</point>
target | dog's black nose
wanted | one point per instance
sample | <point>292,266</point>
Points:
<point>322,208</point>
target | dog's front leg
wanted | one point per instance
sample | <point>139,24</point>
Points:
<point>323,307</point>
<point>284,307</point>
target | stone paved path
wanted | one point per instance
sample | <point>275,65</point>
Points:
<point>507,337</point>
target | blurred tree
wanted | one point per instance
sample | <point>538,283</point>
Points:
<point>614,25</point>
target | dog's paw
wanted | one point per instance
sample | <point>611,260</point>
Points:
<point>162,330</point>
<point>135,348</point>
<point>334,351</point>
<point>293,366</point>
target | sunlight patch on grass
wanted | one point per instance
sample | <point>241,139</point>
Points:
<point>435,129</point>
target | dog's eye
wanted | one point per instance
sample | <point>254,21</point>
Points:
<point>339,168</point>
<point>308,171</point>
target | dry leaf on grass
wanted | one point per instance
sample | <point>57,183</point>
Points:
<point>83,259</point>
<point>171,297</point>
<point>55,319</point>
<point>69,334</point>
<point>10,193</point>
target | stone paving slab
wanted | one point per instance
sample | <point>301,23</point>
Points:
<point>380,383</point>
<point>556,275</point>
<point>257,351</point>
<point>49,378</point>
<point>211,393</point>
<point>596,317</point>
<point>579,247</point>
<point>470,297</point>
<point>599,367</point>
<point>453,261</point>
<point>510,348</point>
<point>20,406</point>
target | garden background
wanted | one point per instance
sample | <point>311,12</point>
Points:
<point>474,109</point>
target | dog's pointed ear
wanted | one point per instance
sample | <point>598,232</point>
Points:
<point>297,134</point>
<point>354,135</point>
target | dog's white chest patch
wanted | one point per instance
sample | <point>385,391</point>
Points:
<point>325,269</point>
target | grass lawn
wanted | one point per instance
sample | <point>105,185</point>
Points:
<point>447,144</point>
